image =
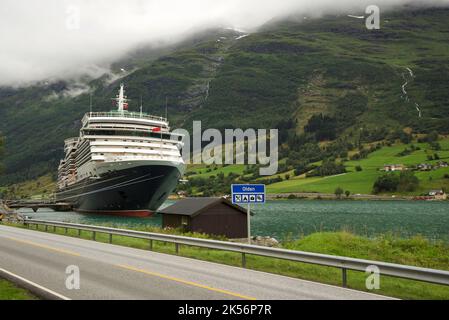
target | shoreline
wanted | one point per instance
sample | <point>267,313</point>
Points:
<point>327,196</point>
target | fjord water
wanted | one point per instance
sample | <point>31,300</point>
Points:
<point>293,218</point>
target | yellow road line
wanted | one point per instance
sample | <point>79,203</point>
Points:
<point>186,282</point>
<point>45,247</point>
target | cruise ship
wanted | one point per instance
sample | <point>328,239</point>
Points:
<point>123,163</point>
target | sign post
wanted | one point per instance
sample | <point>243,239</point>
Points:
<point>247,194</point>
<point>248,223</point>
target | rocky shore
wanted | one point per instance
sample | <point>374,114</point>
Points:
<point>259,241</point>
<point>7,213</point>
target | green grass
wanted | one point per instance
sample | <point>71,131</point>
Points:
<point>9,291</point>
<point>203,172</point>
<point>41,187</point>
<point>416,251</point>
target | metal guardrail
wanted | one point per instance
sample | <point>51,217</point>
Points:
<point>344,263</point>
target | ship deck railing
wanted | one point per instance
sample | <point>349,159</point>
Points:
<point>124,114</point>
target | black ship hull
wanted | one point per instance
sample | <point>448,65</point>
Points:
<point>136,192</point>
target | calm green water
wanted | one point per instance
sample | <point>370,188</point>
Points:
<point>293,218</point>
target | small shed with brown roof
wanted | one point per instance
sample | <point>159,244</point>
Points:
<point>214,216</point>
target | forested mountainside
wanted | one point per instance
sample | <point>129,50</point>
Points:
<point>323,79</point>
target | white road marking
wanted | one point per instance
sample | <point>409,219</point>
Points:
<point>38,286</point>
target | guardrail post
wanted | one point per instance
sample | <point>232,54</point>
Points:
<point>151,245</point>
<point>94,235</point>
<point>54,229</point>
<point>243,260</point>
<point>46,228</point>
<point>110,238</point>
<point>79,233</point>
<point>177,248</point>
<point>345,277</point>
<point>66,230</point>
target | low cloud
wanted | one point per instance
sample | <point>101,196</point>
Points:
<point>67,39</point>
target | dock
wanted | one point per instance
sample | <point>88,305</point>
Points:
<point>35,205</point>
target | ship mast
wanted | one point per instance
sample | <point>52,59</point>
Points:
<point>121,99</point>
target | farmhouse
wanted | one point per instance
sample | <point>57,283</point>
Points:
<point>424,167</point>
<point>214,216</point>
<point>438,194</point>
<point>394,167</point>
<point>442,164</point>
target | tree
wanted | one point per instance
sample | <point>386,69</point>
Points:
<point>358,168</point>
<point>347,193</point>
<point>386,183</point>
<point>330,168</point>
<point>391,182</point>
<point>339,192</point>
<point>433,136</point>
<point>407,181</point>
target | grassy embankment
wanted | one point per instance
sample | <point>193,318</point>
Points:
<point>415,251</point>
<point>9,291</point>
<point>42,187</point>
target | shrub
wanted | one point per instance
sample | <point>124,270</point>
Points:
<point>338,192</point>
<point>391,182</point>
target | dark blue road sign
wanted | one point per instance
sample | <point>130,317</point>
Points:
<point>248,193</point>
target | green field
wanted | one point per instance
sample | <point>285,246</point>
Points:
<point>416,251</point>
<point>203,171</point>
<point>362,182</point>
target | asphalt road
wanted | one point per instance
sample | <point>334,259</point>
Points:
<point>115,272</point>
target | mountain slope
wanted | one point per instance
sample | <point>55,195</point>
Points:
<point>328,77</point>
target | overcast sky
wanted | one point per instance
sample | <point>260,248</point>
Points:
<point>51,39</point>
